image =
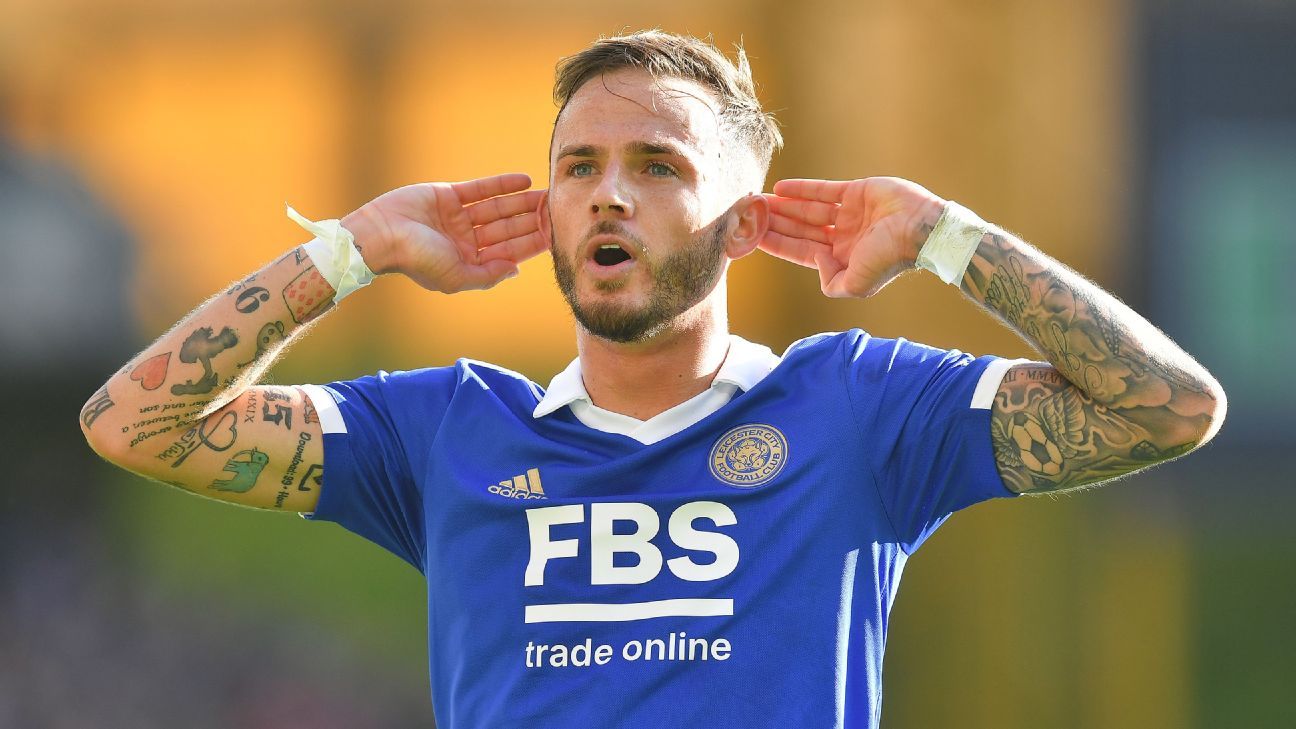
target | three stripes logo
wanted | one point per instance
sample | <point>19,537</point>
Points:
<point>526,486</point>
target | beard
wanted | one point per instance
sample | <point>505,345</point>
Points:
<point>679,281</point>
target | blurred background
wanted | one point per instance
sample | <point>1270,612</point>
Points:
<point>146,152</point>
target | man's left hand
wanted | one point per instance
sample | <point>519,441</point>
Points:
<point>859,234</point>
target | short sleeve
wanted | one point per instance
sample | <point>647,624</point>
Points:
<point>375,433</point>
<point>925,417</point>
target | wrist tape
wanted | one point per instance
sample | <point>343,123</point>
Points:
<point>950,245</point>
<point>335,255</point>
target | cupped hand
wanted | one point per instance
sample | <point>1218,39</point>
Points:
<point>451,236</point>
<point>859,234</point>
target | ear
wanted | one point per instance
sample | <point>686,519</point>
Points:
<point>751,215</point>
<point>542,210</point>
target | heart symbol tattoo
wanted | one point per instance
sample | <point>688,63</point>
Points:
<point>152,372</point>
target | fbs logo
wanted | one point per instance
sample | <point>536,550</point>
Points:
<point>526,486</point>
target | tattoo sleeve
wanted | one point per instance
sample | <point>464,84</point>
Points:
<point>1119,395</point>
<point>174,399</point>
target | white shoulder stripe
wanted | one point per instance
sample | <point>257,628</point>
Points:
<point>991,378</point>
<point>330,417</point>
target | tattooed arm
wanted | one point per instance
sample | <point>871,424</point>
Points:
<point>186,411</point>
<point>1117,396</point>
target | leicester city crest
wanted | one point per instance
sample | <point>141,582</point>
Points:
<point>749,455</point>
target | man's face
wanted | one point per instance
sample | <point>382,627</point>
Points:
<point>637,202</point>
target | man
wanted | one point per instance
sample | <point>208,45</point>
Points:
<point>684,529</point>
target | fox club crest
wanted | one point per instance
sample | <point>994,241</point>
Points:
<point>749,455</point>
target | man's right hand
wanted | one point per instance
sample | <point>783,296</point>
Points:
<point>186,410</point>
<point>451,237</point>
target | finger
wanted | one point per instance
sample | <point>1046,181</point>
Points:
<point>797,250</point>
<point>829,191</point>
<point>502,230</point>
<point>515,250</point>
<point>486,187</point>
<point>504,206</point>
<point>797,229</point>
<point>451,220</point>
<point>487,274</point>
<point>810,211</point>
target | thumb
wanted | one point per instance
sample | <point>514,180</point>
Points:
<point>828,270</point>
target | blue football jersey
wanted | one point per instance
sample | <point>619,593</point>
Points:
<point>737,573</point>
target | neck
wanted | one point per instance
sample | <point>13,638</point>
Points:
<point>644,379</point>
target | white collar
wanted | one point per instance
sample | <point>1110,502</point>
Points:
<point>745,365</point>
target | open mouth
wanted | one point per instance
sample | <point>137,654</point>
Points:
<point>610,254</point>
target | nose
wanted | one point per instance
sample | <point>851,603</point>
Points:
<point>610,197</point>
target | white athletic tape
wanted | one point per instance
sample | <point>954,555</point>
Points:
<point>334,254</point>
<point>951,243</point>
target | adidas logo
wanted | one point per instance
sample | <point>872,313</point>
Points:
<point>526,486</point>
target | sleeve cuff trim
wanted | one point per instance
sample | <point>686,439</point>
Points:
<point>991,377</point>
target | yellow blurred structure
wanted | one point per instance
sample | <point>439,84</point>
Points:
<point>199,119</point>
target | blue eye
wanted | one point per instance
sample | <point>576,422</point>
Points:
<point>660,169</point>
<point>581,169</point>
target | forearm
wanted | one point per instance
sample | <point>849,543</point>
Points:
<point>1113,355</point>
<point>1117,396</point>
<point>204,361</point>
